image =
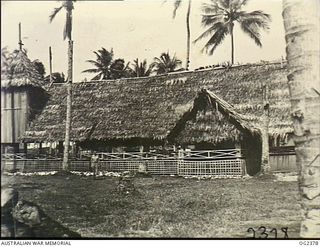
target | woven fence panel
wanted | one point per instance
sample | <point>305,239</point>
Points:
<point>162,167</point>
<point>32,165</point>
<point>219,168</point>
<point>79,165</point>
<point>120,165</point>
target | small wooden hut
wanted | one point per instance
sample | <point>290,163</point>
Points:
<point>155,111</point>
<point>22,98</point>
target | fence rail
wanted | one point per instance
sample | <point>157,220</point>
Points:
<point>197,155</point>
<point>9,156</point>
<point>133,156</point>
<point>212,154</point>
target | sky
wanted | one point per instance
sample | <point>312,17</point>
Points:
<point>134,29</point>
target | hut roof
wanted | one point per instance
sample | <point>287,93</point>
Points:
<point>152,107</point>
<point>17,70</point>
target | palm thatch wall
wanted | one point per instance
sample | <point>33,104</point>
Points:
<point>150,107</point>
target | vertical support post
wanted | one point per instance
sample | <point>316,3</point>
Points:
<point>76,149</point>
<point>50,148</point>
<point>40,147</point>
<point>50,65</point>
<point>25,148</point>
<point>60,147</point>
<point>265,164</point>
<point>20,40</point>
<point>188,35</point>
<point>13,124</point>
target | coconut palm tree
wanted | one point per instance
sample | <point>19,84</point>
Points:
<point>119,69</point>
<point>39,67</point>
<point>140,69</point>
<point>56,78</point>
<point>301,21</point>
<point>220,16</point>
<point>102,64</point>
<point>165,63</point>
<point>107,68</point>
<point>68,5</point>
<point>177,4</point>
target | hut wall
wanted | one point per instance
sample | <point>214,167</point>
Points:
<point>283,163</point>
<point>251,148</point>
<point>283,159</point>
<point>14,117</point>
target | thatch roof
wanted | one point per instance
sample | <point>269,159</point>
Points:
<point>152,107</point>
<point>17,70</point>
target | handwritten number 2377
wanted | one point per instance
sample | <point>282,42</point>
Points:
<point>262,232</point>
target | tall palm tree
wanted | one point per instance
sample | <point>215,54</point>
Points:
<point>165,63</point>
<point>177,4</point>
<point>102,64</point>
<point>68,5</point>
<point>301,21</point>
<point>220,16</point>
<point>141,69</point>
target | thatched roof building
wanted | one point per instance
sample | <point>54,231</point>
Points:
<point>17,71</point>
<point>153,108</point>
<point>22,96</point>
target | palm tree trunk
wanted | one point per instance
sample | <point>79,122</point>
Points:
<point>188,35</point>
<point>301,21</point>
<point>65,164</point>
<point>232,43</point>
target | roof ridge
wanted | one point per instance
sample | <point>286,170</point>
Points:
<point>186,72</point>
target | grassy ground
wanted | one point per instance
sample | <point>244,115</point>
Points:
<point>165,206</point>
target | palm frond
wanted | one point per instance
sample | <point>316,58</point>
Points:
<point>226,3</point>
<point>212,8</point>
<point>252,22</point>
<point>208,20</point>
<point>105,57</point>
<point>258,17</point>
<point>211,30</point>
<point>68,26</point>
<point>98,55</point>
<point>54,13</point>
<point>127,66</point>
<point>98,77</point>
<point>141,69</point>
<point>165,63</point>
<point>216,39</point>
<point>237,4</point>
<point>95,63</point>
<point>252,31</point>
<point>259,14</point>
<point>177,4</point>
<point>242,3</point>
<point>91,71</point>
